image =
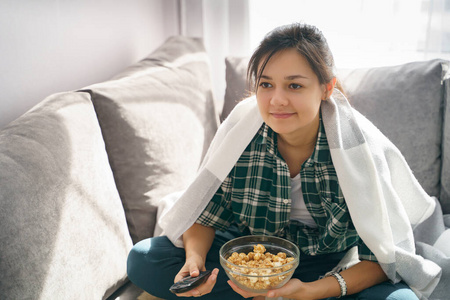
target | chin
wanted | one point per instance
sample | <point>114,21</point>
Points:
<point>280,129</point>
<point>280,126</point>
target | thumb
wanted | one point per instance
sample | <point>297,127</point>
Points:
<point>194,271</point>
<point>288,289</point>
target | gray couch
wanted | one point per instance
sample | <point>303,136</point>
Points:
<point>82,173</point>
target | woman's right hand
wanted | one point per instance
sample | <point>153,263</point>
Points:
<point>197,242</point>
<point>192,267</point>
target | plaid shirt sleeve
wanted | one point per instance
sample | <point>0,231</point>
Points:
<point>365,253</point>
<point>218,213</point>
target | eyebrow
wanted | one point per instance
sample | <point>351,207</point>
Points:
<point>291,77</point>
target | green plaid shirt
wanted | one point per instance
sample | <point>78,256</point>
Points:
<point>256,195</point>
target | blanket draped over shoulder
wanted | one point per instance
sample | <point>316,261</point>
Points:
<point>385,201</point>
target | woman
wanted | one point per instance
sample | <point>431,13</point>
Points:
<point>283,182</point>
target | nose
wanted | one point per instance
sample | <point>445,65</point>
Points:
<point>279,98</point>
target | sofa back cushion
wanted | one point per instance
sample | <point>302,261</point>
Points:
<point>63,228</point>
<point>445,174</point>
<point>236,84</point>
<point>405,102</point>
<point>157,118</point>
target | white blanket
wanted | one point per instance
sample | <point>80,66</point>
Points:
<point>384,199</point>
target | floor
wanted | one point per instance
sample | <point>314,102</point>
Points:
<point>147,296</point>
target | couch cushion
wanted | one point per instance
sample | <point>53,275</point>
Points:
<point>63,228</point>
<point>236,83</point>
<point>445,176</point>
<point>405,102</point>
<point>157,118</point>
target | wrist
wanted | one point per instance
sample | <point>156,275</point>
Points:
<point>341,282</point>
<point>195,256</point>
<point>309,290</point>
<point>336,277</point>
<point>323,288</point>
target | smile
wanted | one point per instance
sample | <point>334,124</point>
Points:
<point>282,115</point>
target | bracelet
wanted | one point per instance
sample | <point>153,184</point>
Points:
<point>341,282</point>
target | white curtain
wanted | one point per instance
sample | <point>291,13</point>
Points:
<point>364,33</point>
<point>223,25</point>
<point>361,33</point>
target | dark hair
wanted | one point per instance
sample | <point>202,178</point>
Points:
<point>306,39</point>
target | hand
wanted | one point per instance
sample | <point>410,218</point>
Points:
<point>192,267</point>
<point>204,288</point>
<point>294,289</point>
<point>241,292</point>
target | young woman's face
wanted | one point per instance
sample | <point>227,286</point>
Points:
<point>289,95</point>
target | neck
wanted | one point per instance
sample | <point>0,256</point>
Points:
<point>297,143</point>
<point>297,149</point>
<point>301,139</point>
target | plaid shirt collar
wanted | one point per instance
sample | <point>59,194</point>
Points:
<point>321,155</point>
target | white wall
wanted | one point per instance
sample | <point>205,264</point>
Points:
<point>223,25</point>
<point>49,46</point>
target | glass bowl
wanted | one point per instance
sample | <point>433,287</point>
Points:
<point>272,270</point>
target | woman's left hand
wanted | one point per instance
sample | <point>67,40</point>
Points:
<point>294,289</point>
<point>241,292</point>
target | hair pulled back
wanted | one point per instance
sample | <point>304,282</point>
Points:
<point>309,42</point>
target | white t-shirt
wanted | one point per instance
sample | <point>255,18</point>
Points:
<point>299,212</point>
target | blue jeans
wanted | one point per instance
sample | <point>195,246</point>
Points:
<point>154,262</point>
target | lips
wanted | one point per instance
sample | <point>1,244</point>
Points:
<point>281,115</point>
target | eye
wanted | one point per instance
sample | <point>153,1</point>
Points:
<point>295,86</point>
<point>265,85</point>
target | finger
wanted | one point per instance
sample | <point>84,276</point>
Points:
<point>180,276</point>
<point>209,284</point>
<point>195,292</point>
<point>213,275</point>
<point>203,289</point>
<point>192,293</point>
<point>288,289</point>
<point>240,291</point>
<point>194,271</point>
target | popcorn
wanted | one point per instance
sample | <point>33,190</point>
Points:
<point>268,264</point>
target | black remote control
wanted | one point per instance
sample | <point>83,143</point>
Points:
<point>188,283</point>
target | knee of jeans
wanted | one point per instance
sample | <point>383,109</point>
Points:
<point>136,259</point>
<point>387,291</point>
<point>156,253</point>
<point>402,294</point>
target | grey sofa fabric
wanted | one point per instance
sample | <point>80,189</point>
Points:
<point>407,103</point>
<point>63,228</point>
<point>445,174</point>
<point>236,89</point>
<point>157,118</point>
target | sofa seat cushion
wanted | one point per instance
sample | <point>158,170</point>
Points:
<point>157,118</point>
<point>63,229</point>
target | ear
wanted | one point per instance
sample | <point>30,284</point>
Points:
<point>329,87</point>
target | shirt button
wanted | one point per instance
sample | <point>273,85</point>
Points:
<point>285,201</point>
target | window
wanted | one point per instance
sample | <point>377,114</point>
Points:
<point>363,33</point>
